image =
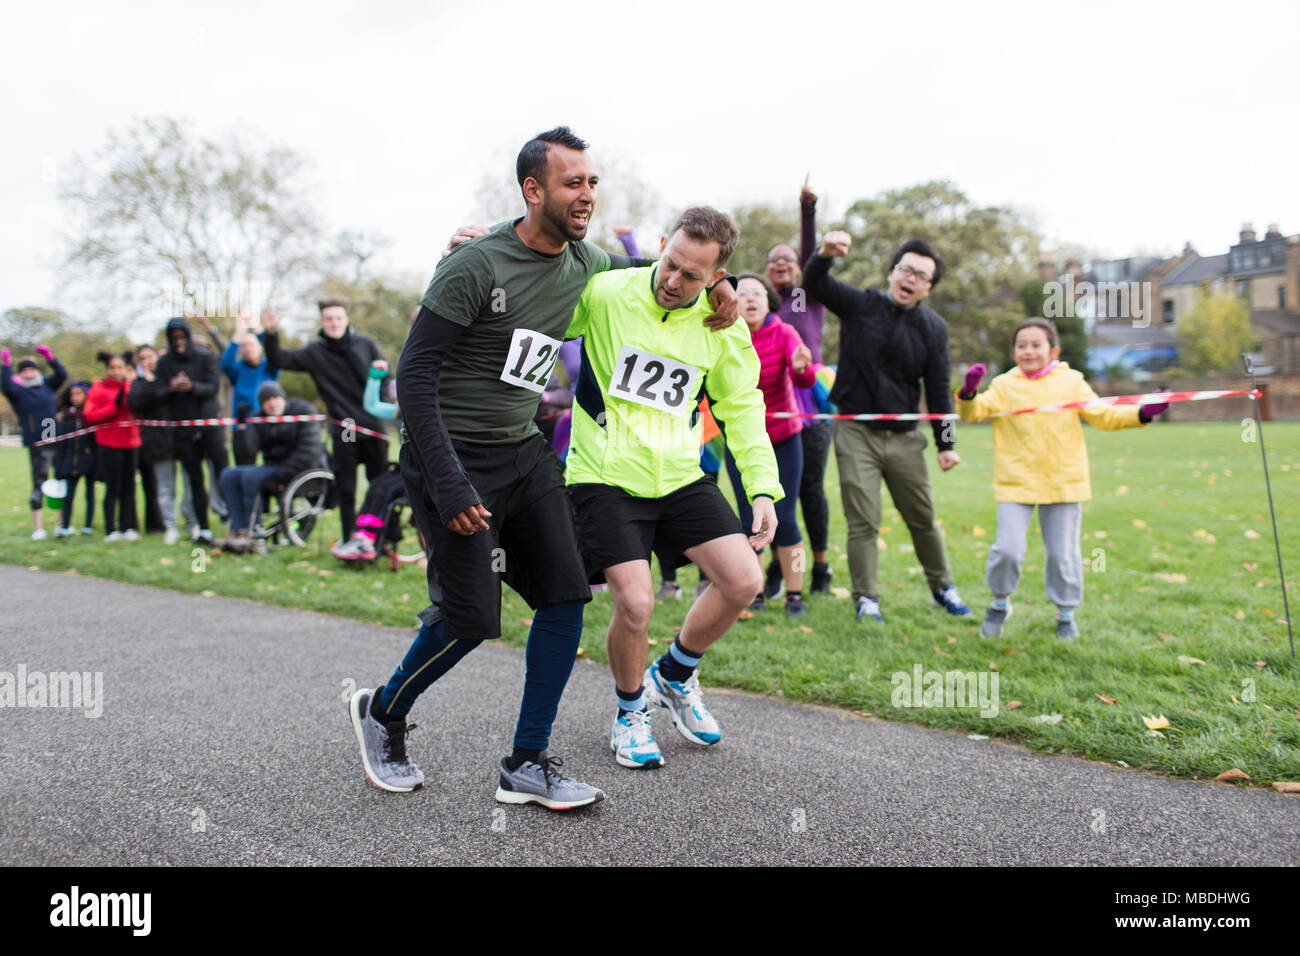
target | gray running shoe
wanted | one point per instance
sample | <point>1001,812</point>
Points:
<point>869,608</point>
<point>383,749</point>
<point>543,783</point>
<point>1066,629</point>
<point>994,618</point>
<point>668,591</point>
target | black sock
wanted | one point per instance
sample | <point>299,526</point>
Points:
<point>516,759</point>
<point>377,711</point>
<point>673,669</point>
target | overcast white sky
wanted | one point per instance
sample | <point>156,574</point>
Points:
<point>1127,127</point>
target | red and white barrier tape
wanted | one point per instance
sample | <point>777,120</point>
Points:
<point>196,422</point>
<point>1151,398</point>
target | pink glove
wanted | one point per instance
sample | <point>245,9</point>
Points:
<point>1147,412</point>
<point>44,352</point>
<point>973,376</point>
<point>4,358</point>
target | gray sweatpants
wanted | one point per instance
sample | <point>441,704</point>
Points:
<point>1063,573</point>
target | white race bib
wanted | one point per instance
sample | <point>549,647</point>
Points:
<point>654,381</point>
<point>530,360</point>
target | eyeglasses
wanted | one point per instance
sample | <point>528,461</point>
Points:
<point>910,273</point>
<point>772,260</point>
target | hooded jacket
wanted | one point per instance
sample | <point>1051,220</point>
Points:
<point>156,400</point>
<point>33,404</point>
<point>73,456</point>
<point>339,367</point>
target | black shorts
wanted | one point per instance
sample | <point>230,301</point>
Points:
<point>530,541</point>
<point>614,526</point>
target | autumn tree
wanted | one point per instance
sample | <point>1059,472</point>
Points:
<point>168,223</point>
<point>1212,336</point>
<point>988,252</point>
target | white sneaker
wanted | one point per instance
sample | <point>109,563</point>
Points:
<point>39,534</point>
<point>633,744</point>
<point>172,536</point>
<point>115,536</point>
<point>685,703</point>
<point>87,530</point>
<point>62,532</point>
<point>131,535</point>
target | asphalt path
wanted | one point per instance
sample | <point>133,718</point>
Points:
<point>224,739</point>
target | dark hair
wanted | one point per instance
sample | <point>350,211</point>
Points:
<point>332,303</point>
<point>65,396</point>
<point>128,357</point>
<point>532,158</point>
<point>1047,325</point>
<point>773,299</point>
<point>921,248</point>
<point>706,224</point>
<point>145,345</point>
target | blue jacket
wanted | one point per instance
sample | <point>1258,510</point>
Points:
<point>244,377</point>
<point>36,405</point>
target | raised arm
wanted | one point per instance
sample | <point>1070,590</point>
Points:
<point>839,297</point>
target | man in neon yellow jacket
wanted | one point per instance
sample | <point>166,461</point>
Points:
<point>634,470</point>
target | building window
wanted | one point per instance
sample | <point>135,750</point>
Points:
<point>1281,297</point>
<point>1169,311</point>
<point>1242,288</point>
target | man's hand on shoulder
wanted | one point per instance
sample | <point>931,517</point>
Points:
<point>463,234</point>
<point>726,306</point>
<point>949,460</point>
<point>836,244</point>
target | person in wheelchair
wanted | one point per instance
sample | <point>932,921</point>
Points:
<point>287,448</point>
<point>386,488</point>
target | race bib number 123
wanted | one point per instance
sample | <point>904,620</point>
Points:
<point>649,379</point>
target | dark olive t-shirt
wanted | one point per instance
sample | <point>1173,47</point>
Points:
<point>515,304</point>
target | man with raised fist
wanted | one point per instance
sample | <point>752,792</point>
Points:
<point>891,344</point>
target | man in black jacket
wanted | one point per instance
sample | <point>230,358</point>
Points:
<point>889,343</point>
<point>339,363</point>
<point>287,448</point>
<point>185,385</point>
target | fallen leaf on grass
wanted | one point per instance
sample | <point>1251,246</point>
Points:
<point>746,615</point>
<point>880,545</point>
<point>1261,665</point>
<point>208,593</point>
<point>864,713</point>
<point>1252,534</point>
<point>978,531</point>
<point>942,653</point>
<point>1046,719</point>
<point>1164,637</point>
<point>526,621</point>
<point>1154,733</point>
<point>1286,786</point>
<point>1174,578</point>
<point>1106,698</point>
<point>1233,774</point>
<point>1266,612</point>
<point>977,737</point>
<point>1250,565</point>
<point>1184,659</point>
<point>805,629</point>
<point>1139,523</point>
<point>1240,615</point>
<point>992,666</point>
<point>841,593</point>
<point>1012,704</point>
<point>653,643</point>
<point>951,639</point>
<point>164,560</point>
<point>581,652</point>
<point>1155,723</point>
<point>1121,763</point>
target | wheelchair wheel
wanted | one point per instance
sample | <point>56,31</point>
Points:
<point>406,551</point>
<point>302,504</point>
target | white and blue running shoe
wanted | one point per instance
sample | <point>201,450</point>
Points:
<point>632,742</point>
<point>684,701</point>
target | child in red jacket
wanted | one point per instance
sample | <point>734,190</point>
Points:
<point>118,438</point>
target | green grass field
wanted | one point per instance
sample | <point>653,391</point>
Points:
<point>1182,616</point>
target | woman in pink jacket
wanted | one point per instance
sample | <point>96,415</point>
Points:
<point>786,363</point>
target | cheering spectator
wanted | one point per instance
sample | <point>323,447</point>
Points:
<point>118,438</point>
<point>246,367</point>
<point>785,362</point>
<point>34,397</point>
<point>338,362</point>
<point>75,458</point>
<point>287,448</point>
<point>185,387</point>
